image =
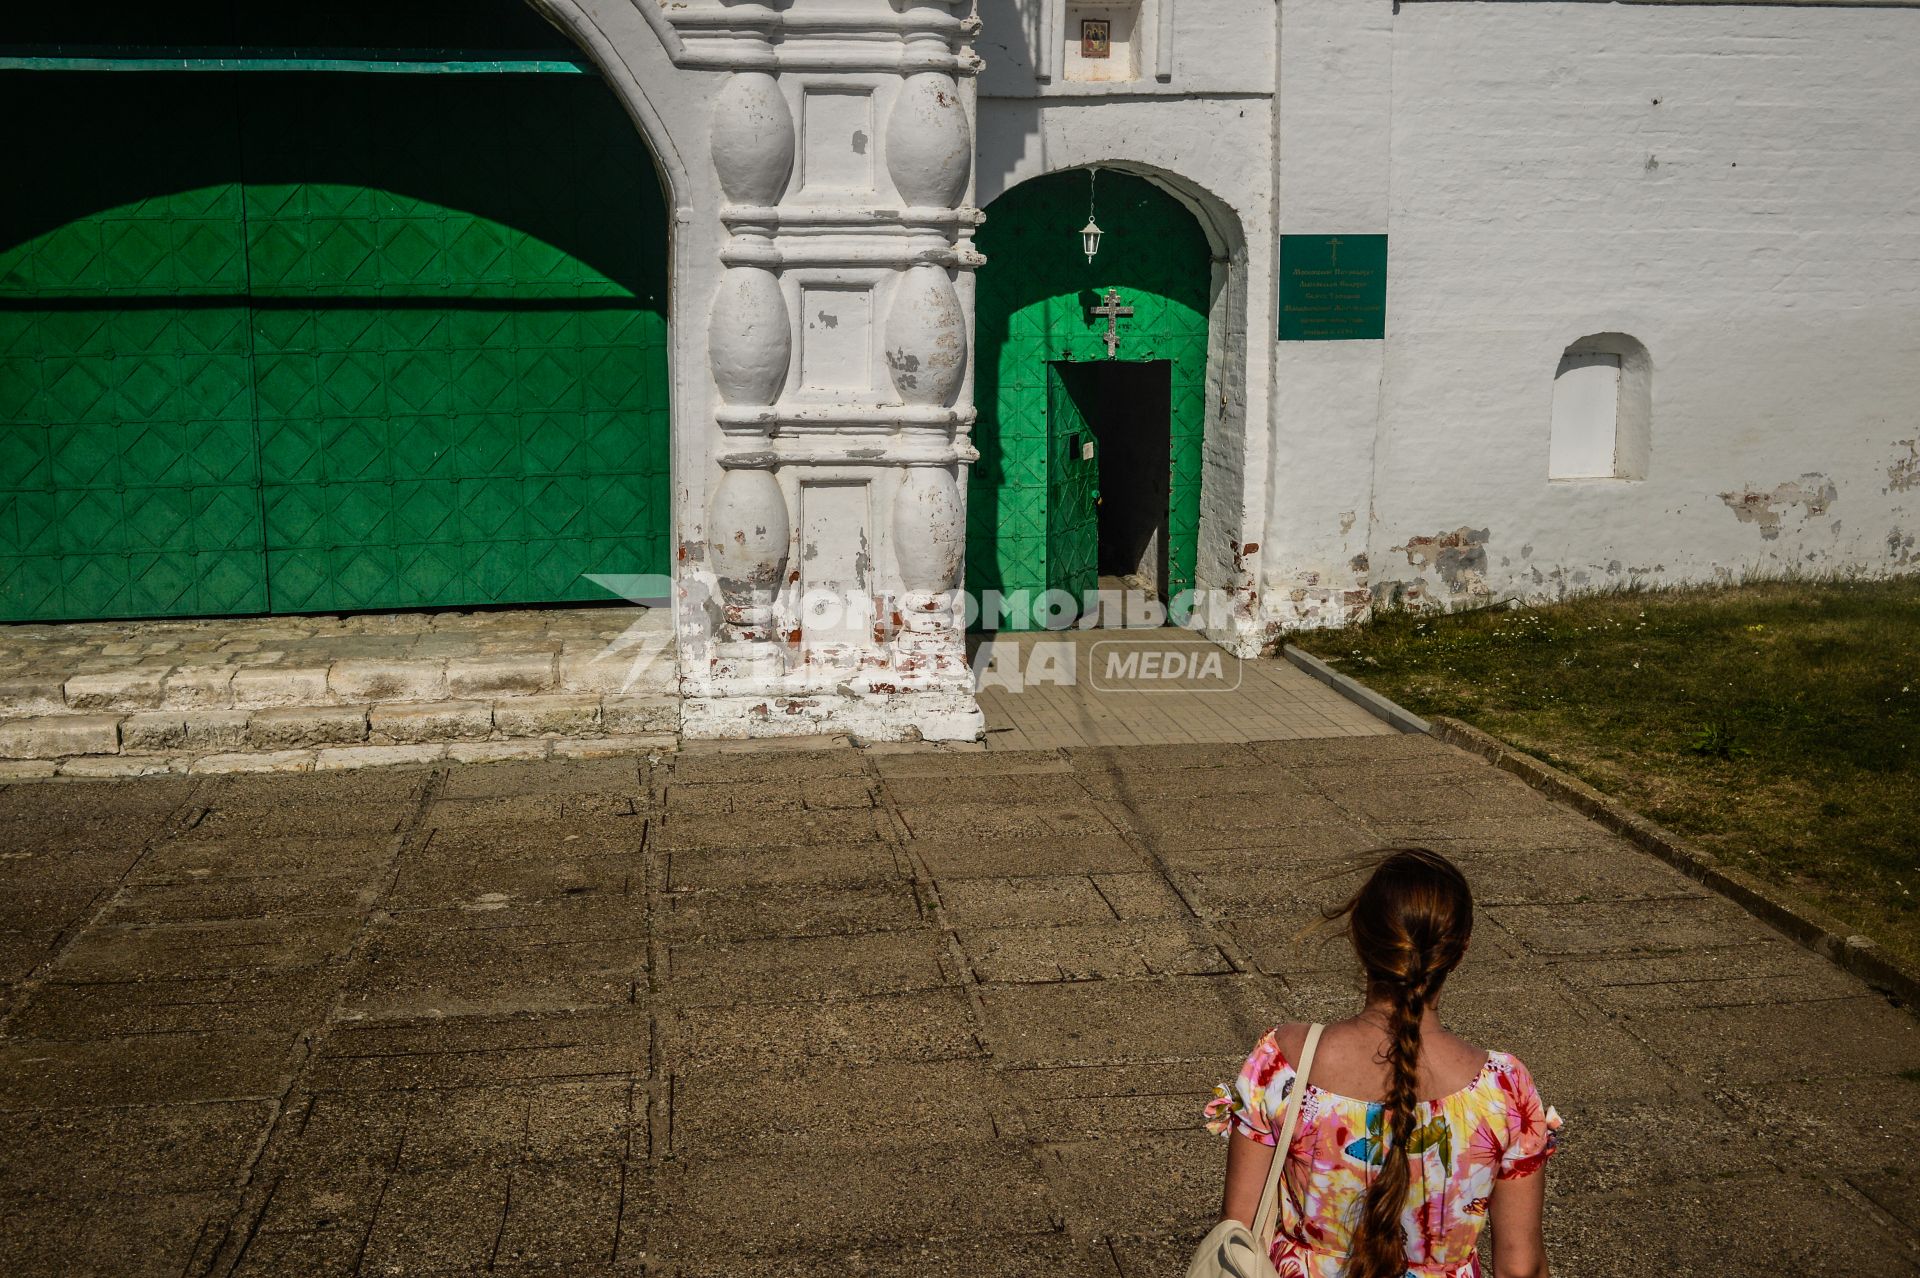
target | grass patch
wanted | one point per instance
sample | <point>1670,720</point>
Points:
<point>1775,724</point>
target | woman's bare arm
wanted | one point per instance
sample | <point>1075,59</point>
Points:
<point>1518,1251</point>
<point>1248,1162</point>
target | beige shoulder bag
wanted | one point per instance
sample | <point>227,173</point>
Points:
<point>1231,1250</point>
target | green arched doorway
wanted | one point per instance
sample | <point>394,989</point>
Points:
<point>1087,461</point>
<point>296,332</point>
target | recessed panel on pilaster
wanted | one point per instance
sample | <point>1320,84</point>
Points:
<point>838,141</point>
<point>836,339</point>
<point>836,566</point>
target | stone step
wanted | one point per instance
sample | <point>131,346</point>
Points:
<point>300,737</point>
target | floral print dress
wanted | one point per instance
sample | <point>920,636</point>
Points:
<point>1494,1128</point>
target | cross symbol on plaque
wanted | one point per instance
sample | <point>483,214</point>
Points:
<point>1335,246</point>
<point>1114,312</point>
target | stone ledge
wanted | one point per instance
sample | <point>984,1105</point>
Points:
<point>1820,932</point>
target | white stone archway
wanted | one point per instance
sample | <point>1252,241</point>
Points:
<point>820,168</point>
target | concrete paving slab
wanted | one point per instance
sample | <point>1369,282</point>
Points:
<point>925,1026</point>
<point>798,969</point>
<point>1001,857</point>
<point>835,1108</point>
<point>804,910</point>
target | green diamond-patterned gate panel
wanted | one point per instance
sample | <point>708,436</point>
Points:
<point>307,343</point>
<point>1073,489</point>
<point>1035,307</point>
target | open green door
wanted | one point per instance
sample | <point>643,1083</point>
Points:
<point>1073,489</point>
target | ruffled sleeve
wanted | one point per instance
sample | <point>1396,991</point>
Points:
<point>1247,1105</point>
<point>1533,1128</point>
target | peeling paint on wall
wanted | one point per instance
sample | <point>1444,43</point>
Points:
<point>1459,558</point>
<point>1813,493</point>
<point>1904,474</point>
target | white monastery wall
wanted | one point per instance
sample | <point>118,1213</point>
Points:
<point>1738,188</point>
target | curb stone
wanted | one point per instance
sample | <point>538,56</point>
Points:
<point>1824,935</point>
<point>1358,693</point>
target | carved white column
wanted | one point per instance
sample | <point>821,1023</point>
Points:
<point>838,345</point>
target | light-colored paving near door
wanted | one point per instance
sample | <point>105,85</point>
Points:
<point>298,693</point>
<point>861,1012</point>
<point>1118,687</point>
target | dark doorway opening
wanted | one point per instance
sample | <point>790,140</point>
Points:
<point>1127,406</point>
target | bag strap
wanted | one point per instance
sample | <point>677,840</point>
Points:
<point>1265,1215</point>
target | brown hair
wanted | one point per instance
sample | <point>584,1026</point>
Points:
<point>1409,925</point>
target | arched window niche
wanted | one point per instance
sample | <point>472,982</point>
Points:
<point>1602,410</point>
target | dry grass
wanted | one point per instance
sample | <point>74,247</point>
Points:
<point>1776,724</point>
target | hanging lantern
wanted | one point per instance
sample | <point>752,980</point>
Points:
<point>1090,237</point>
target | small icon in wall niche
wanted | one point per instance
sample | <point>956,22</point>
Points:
<point>1096,37</point>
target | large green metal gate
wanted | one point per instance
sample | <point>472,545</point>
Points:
<point>295,342</point>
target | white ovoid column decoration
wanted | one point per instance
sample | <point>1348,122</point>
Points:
<point>839,345</point>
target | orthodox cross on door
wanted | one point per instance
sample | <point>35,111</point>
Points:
<point>1114,312</point>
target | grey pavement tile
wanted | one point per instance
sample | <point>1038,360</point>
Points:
<point>296,820</point>
<point>760,865</point>
<point>445,1219</point>
<point>1761,973</point>
<point>130,803</point>
<point>577,836</point>
<point>801,969</point>
<point>116,1234</point>
<point>787,767</point>
<point>544,776</point>
<point>360,799</point>
<point>1004,821</point>
<point>1020,856</point>
<point>562,1216</point>
<point>1110,1022</point>
<point>1778,1042</point>
<point>1077,952</point>
<point>225,899</point>
<point>1062,788</point>
<point>1607,872</point>
<point>1069,898</point>
<point>1212,822</point>
<point>440,876</point>
<point>816,1201</point>
<point>1138,1183</point>
<point>722,831</point>
<point>146,1069</point>
<point>1300,851</point>
<point>1141,896</point>
<point>1843,1126</point>
<point>297,859</point>
<point>1629,927</point>
<point>1894,1191</point>
<point>1553,830</point>
<point>932,1025</point>
<point>317,1253</point>
<point>948,763</point>
<point>532,809</point>
<point>1095,1102</point>
<point>830,1106</point>
<point>1620,1145</point>
<point>140,1149</point>
<point>1162,758</point>
<point>475,1050</point>
<point>1406,751</point>
<point>536,958</point>
<point>256,1002</point>
<point>1146,789</point>
<point>792,910</point>
<point>220,948</point>
<point>820,793</point>
<point>1050,1254</point>
<point>1734,1225</point>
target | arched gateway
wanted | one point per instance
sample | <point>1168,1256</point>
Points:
<point>294,332</point>
<point>803,514</point>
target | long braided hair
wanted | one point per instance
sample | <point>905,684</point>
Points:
<point>1409,925</point>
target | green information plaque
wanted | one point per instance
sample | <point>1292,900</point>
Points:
<point>1333,287</point>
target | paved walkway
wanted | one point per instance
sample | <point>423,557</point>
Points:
<point>1150,687</point>
<point>853,1012</point>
